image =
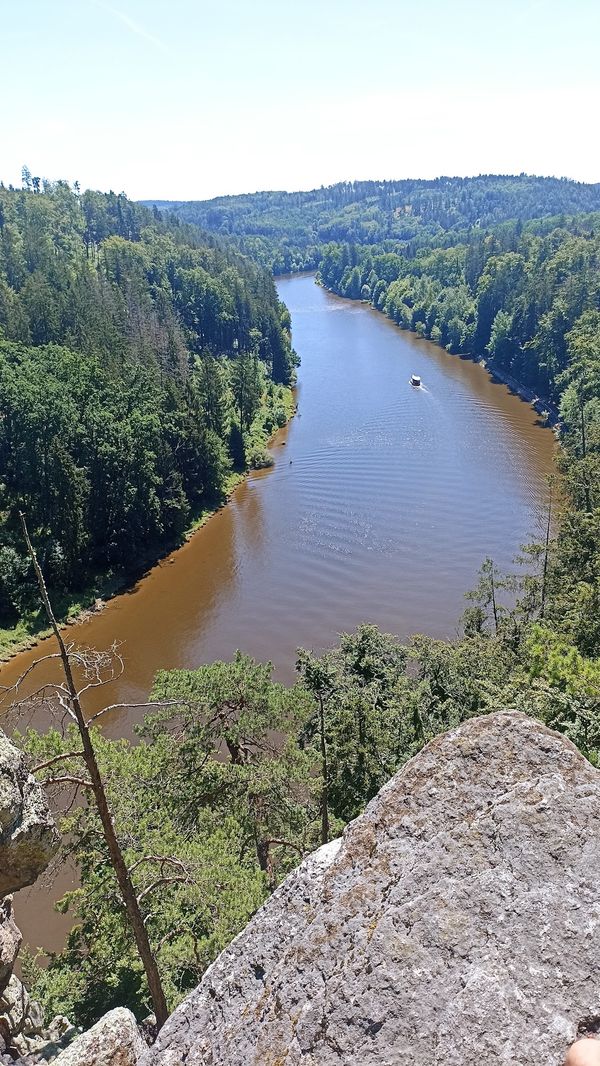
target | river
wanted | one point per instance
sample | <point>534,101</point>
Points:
<point>382,504</point>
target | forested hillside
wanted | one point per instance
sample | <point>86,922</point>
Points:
<point>286,230</point>
<point>516,294</point>
<point>140,361</point>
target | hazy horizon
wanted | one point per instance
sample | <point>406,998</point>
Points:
<point>192,101</point>
<point>314,188</point>
<point>376,180</point>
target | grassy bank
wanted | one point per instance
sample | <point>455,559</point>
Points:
<point>277,407</point>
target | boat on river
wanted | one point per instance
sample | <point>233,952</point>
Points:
<point>416,381</point>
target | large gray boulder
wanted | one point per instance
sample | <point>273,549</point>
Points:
<point>28,835</point>
<point>113,1041</point>
<point>457,923</point>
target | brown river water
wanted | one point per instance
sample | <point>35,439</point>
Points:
<point>382,504</point>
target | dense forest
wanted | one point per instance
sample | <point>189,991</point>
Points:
<point>140,361</point>
<point>286,231</point>
<point>517,294</point>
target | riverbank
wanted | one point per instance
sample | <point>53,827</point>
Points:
<point>542,406</point>
<point>547,410</point>
<point>80,605</point>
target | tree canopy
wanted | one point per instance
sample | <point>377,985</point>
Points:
<point>287,230</point>
<point>140,360</point>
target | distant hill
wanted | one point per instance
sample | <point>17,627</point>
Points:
<point>285,229</point>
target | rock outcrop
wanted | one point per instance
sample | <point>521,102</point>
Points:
<point>113,1041</point>
<point>457,922</point>
<point>10,941</point>
<point>28,835</point>
<point>15,1006</point>
<point>28,840</point>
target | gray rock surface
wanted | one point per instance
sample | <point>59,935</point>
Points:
<point>28,840</point>
<point>457,923</point>
<point>28,836</point>
<point>36,1045</point>
<point>14,1005</point>
<point>10,941</point>
<point>113,1041</point>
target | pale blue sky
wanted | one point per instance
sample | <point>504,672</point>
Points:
<point>187,99</point>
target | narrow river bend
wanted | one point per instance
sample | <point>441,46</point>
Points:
<point>383,502</point>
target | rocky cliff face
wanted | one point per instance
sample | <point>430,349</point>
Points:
<point>28,835</point>
<point>457,922</point>
<point>28,840</point>
<point>10,941</point>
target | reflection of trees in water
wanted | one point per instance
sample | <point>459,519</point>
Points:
<point>251,536</point>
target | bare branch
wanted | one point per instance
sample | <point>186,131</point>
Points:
<point>40,695</point>
<point>133,706</point>
<point>68,779</point>
<point>57,758</point>
<point>67,810</point>
<point>65,706</point>
<point>170,935</point>
<point>6,689</point>
<point>285,844</point>
<point>102,667</point>
<point>159,882</point>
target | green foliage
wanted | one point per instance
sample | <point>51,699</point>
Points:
<point>367,731</point>
<point>232,815</point>
<point>223,794</point>
<point>265,782</point>
<point>525,296</point>
<point>197,883</point>
<point>287,231</point>
<point>134,357</point>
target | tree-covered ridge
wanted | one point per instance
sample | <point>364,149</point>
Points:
<point>105,276</point>
<point>285,230</point>
<point>140,361</point>
<point>512,295</point>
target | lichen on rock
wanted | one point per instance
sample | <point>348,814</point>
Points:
<point>28,841</point>
<point>10,941</point>
<point>457,922</point>
<point>113,1041</point>
<point>28,835</point>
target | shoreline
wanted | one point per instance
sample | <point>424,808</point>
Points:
<point>540,405</point>
<point>107,587</point>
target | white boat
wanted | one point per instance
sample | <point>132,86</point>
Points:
<point>415,380</point>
